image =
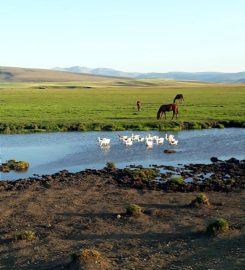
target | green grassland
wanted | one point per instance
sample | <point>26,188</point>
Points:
<point>111,105</point>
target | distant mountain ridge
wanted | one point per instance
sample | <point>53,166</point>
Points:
<point>214,77</point>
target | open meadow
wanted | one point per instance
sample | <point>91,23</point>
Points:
<point>110,104</point>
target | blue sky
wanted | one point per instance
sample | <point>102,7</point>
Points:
<point>129,35</point>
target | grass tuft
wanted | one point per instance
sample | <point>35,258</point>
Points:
<point>134,210</point>
<point>24,235</point>
<point>218,226</point>
<point>90,259</point>
<point>144,174</point>
<point>177,180</point>
<point>200,200</point>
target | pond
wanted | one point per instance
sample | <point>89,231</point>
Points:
<point>48,153</point>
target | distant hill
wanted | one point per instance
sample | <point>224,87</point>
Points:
<point>13,74</point>
<point>213,77</point>
<point>76,80</point>
<point>102,76</point>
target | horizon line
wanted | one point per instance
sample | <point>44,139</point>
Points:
<point>115,69</point>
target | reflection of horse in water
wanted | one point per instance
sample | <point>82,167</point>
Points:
<point>138,104</point>
<point>168,108</point>
<point>179,97</point>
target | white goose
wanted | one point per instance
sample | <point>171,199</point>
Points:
<point>103,141</point>
<point>149,137</point>
<point>129,141</point>
<point>149,143</point>
<point>123,138</point>
<point>173,142</point>
<point>170,137</point>
<point>160,140</point>
<point>135,137</point>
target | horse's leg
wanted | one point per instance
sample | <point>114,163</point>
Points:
<point>165,115</point>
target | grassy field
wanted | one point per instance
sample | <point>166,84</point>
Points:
<point>111,105</point>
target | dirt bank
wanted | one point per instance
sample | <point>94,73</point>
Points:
<point>70,212</point>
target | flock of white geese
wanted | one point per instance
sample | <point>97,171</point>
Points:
<point>149,140</point>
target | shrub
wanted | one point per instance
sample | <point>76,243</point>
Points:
<point>110,166</point>
<point>14,165</point>
<point>134,210</point>
<point>200,200</point>
<point>144,174</point>
<point>21,165</point>
<point>218,226</point>
<point>24,235</point>
<point>177,179</point>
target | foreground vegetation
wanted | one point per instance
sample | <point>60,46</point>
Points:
<point>84,106</point>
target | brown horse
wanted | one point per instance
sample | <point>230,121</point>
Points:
<point>138,104</point>
<point>179,97</point>
<point>168,108</point>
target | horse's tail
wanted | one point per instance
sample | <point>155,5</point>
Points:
<point>174,100</point>
<point>159,113</point>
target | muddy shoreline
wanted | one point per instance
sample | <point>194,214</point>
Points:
<point>219,175</point>
<point>68,213</point>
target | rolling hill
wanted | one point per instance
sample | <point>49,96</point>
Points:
<point>14,74</point>
<point>74,80</point>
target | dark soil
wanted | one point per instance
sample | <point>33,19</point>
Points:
<point>70,212</point>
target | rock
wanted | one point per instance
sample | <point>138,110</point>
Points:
<point>214,159</point>
<point>233,160</point>
<point>169,151</point>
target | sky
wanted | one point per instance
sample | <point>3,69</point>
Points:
<point>128,35</point>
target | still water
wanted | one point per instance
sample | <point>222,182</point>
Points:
<point>48,153</point>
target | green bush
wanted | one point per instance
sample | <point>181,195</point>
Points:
<point>177,179</point>
<point>24,235</point>
<point>200,200</point>
<point>218,226</point>
<point>21,165</point>
<point>134,210</point>
<point>14,165</point>
<point>110,166</point>
<point>144,174</point>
